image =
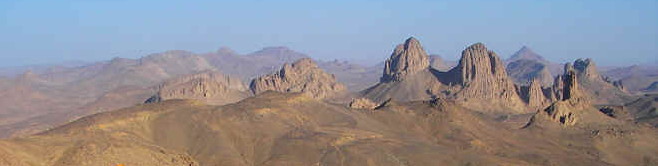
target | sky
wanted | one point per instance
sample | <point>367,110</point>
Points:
<point>612,32</point>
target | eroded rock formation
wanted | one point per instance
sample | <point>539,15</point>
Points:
<point>482,75</point>
<point>304,76</point>
<point>362,103</point>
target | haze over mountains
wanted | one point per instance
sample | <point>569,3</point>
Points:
<point>280,107</point>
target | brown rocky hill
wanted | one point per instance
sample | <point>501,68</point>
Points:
<point>211,87</point>
<point>294,129</point>
<point>304,76</point>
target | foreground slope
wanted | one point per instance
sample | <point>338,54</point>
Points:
<point>294,129</point>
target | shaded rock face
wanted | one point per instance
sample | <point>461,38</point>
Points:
<point>407,59</point>
<point>482,75</point>
<point>304,76</point>
<point>212,87</point>
<point>587,68</point>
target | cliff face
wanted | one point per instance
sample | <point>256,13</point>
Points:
<point>482,76</point>
<point>407,59</point>
<point>304,76</point>
<point>211,87</point>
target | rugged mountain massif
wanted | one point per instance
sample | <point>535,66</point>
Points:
<point>189,109</point>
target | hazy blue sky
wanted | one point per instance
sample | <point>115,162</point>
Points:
<point>610,31</point>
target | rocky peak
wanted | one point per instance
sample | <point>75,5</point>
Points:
<point>482,75</point>
<point>304,76</point>
<point>407,59</point>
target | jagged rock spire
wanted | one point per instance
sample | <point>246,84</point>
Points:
<point>536,97</point>
<point>406,59</point>
<point>566,85</point>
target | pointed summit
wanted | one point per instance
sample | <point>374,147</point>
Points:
<point>525,53</point>
<point>407,59</point>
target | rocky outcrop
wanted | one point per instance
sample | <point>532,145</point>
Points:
<point>211,87</point>
<point>407,59</point>
<point>303,76</point>
<point>482,75</point>
<point>362,103</point>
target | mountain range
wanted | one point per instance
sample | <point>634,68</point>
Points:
<point>276,106</point>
